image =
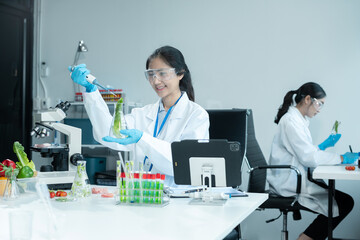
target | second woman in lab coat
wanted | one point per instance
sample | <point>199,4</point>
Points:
<point>292,145</point>
<point>152,129</point>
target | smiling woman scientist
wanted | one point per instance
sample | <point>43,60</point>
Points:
<point>152,129</point>
<point>292,145</point>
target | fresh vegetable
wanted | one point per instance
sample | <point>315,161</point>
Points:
<point>23,159</point>
<point>25,172</point>
<point>60,193</point>
<point>117,119</point>
<point>7,167</point>
<point>62,199</point>
<point>9,163</point>
<point>336,126</point>
<point>52,194</point>
<point>350,168</point>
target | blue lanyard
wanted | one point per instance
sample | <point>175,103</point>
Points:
<point>166,117</point>
<point>162,125</point>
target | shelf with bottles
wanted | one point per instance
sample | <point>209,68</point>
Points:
<point>107,96</point>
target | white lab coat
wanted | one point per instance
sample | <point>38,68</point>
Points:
<point>187,120</point>
<point>292,145</point>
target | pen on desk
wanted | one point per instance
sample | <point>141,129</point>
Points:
<point>195,190</point>
<point>350,148</point>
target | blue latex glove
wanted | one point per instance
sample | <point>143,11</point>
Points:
<point>133,136</point>
<point>350,158</point>
<point>330,141</point>
<point>78,75</point>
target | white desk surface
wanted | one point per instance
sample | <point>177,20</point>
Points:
<point>100,218</point>
<point>336,172</point>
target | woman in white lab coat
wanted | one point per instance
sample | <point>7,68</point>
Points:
<point>292,145</point>
<point>152,129</point>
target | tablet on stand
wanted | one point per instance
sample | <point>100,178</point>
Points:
<point>211,163</point>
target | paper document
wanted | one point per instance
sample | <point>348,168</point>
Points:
<point>183,191</point>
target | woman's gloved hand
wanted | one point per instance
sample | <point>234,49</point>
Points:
<point>330,141</point>
<point>349,158</point>
<point>78,75</point>
<point>133,136</point>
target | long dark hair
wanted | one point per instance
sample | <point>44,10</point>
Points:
<point>310,88</point>
<point>174,58</point>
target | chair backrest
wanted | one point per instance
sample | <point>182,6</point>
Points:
<point>255,157</point>
<point>230,124</point>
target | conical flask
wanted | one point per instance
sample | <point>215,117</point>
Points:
<point>81,185</point>
<point>118,122</point>
<point>11,189</point>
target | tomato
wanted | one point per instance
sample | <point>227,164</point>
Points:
<point>6,167</point>
<point>63,194</point>
<point>350,168</point>
<point>58,193</point>
<point>52,194</point>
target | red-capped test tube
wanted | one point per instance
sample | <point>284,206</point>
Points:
<point>145,187</point>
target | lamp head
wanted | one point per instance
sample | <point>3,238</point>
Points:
<point>82,47</point>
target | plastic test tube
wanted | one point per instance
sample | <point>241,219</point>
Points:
<point>152,188</point>
<point>161,188</point>
<point>122,187</point>
<point>145,188</point>
<point>136,188</point>
<point>118,173</point>
<point>157,187</point>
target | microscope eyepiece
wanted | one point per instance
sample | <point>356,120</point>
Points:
<point>63,105</point>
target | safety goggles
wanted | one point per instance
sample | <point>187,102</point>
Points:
<point>318,104</point>
<point>162,74</point>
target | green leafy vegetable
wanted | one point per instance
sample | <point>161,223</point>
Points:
<point>336,126</point>
<point>117,119</point>
<point>21,155</point>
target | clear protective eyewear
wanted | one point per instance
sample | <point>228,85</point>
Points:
<point>162,74</point>
<point>318,104</point>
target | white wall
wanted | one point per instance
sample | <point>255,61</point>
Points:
<point>244,54</point>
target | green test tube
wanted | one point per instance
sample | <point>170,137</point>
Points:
<point>157,188</point>
<point>152,188</point>
<point>136,187</point>
<point>122,188</point>
<point>145,188</point>
<point>161,188</point>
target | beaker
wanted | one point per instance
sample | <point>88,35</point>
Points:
<point>118,123</point>
<point>81,185</point>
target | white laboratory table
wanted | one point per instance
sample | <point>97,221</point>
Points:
<point>100,218</point>
<point>332,173</point>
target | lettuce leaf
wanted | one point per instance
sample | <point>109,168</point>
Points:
<point>21,155</point>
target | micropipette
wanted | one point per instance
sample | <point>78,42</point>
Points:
<point>91,79</point>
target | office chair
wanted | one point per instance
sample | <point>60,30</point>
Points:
<point>229,124</point>
<point>238,125</point>
<point>257,180</point>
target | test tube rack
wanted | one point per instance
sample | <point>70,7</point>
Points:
<point>139,188</point>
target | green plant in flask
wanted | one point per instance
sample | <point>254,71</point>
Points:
<point>118,122</point>
<point>81,185</point>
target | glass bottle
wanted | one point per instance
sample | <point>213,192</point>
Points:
<point>81,185</point>
<point>118,123</point>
